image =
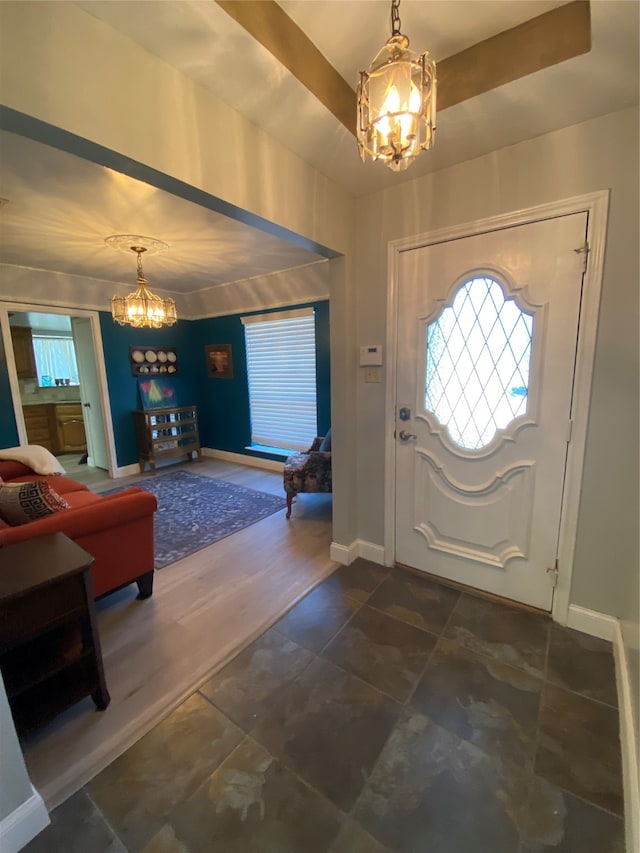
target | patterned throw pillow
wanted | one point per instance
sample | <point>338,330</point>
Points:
<point>24,502</point>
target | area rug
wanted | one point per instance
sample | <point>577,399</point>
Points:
<point>195,511</point>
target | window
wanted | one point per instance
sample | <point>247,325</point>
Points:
<point>281,366</point>
<point>55,358</point>
<point>477,368</point>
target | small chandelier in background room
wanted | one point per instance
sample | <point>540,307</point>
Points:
<point>396,102</point>
<point>141,309</point>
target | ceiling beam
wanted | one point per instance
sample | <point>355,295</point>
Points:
<point>543,41</point>
<point>269,24</point>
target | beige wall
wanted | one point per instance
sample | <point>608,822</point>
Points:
<point>15,787</point>
<point>62,66</point>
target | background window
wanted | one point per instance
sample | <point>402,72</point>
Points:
<point>55,357</point>
<point>281,367</point>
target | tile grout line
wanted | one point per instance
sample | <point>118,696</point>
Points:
<point>403,707</point>
<point>85,789</point>
<point>546,684</point>
<point>357,601</point>
<point>589,803</point>
<point>582,695</point>
<point>439,637</point>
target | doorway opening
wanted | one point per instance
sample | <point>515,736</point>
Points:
<point>58,387</point>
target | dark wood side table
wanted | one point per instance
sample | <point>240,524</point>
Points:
<point>49,645</point>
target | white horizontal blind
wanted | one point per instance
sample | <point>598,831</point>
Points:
<point>281,363</point>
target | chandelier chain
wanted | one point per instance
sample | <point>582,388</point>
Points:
<point>140,273</point>
<point>395,18</point>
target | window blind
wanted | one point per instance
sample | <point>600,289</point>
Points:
<point>281,364</point>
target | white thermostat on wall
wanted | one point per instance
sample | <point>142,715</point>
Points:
<point>371,356</point>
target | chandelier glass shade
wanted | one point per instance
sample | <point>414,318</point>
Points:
<point>142,309</point>
<point>396,102</point>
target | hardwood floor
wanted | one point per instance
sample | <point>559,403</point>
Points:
<point>204,609</point>
<point>81,472</point>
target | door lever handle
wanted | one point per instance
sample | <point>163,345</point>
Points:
<point>406,436</point>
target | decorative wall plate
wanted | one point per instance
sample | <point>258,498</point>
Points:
<point>146,360</point>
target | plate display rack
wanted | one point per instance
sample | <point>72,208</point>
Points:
<point>153,361</point>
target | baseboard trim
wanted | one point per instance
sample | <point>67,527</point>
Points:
<point>346,554</point>
<point>23,824</point>
<point>243,459</point>
<point>343,554</point>
<point>212,453</point>
<point>628,744</point>
<point>370,551</point>
<point>126,471</point>
<point>591,622</point>
<point>608,628</point>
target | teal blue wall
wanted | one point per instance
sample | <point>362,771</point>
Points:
<point>223,404</point>
<point>123,387</point>
<point>8,428</point>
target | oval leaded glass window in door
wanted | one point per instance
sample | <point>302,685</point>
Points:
<point>477,363</point>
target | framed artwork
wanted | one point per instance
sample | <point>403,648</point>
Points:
<point>157,393</point>
<point>153,361</point>
<point>219,361</point>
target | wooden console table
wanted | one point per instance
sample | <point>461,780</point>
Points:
<point>49,645</point>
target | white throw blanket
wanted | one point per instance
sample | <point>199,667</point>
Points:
<point>39,459</point>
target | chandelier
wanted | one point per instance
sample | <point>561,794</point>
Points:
<point>396,102</point>
<point>141,309</point>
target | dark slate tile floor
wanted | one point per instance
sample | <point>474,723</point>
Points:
<point>383,714</point>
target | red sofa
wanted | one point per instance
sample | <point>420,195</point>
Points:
<point>117,530</point>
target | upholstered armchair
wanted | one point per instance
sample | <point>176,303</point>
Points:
<point>309,471</point>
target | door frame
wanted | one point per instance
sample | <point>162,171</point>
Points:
<point>98,351</point>
<point>596,204</point>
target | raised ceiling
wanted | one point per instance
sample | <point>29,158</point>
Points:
<point>61,207</point>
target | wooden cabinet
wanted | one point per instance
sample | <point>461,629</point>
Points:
<point>57,426</point>
<point>166,433</point>
<point>69,427</point>
<point>37,420</point>
<point>49,645</point>
<point>23,352</point>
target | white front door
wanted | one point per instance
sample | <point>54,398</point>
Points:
<point>487,331</point>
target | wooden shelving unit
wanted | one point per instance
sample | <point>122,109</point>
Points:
<point>166,433</point>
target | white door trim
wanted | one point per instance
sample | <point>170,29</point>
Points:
<point>94,317</point>
<point>596,204</point>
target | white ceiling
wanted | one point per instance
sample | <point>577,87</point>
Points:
<point>61,207</point>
